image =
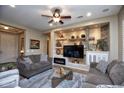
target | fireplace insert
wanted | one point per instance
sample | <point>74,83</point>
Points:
<point>59,61</point>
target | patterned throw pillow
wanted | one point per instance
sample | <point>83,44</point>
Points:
<point>117,73</point>
<point>111,64</point>
<point>27,60</point>
<point>102,66</point>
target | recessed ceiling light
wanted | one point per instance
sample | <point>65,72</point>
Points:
<point>6,27</point>
<point>51,24</point>
<point>89,14</point>
<point>12,6</point>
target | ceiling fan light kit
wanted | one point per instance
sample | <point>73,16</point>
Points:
<point>56,17</point>
<point>51,24</point>
<point>56,20</point>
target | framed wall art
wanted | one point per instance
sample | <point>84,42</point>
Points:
<point>34,44</point>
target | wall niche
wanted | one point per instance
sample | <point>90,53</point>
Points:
<point>92,37</point>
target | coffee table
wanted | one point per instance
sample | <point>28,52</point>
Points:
<point>58,77</point>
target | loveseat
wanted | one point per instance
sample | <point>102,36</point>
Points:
<point>33,64</point>
<point>113,75</point>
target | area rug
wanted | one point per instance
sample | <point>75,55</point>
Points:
<point>43,80</point>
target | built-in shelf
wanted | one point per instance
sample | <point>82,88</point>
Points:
<point>77,39</point>
<point>59,47</point>
<point>61,39</point>
<point>87,37</point>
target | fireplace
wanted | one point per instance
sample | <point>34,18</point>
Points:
<point>59,61</point>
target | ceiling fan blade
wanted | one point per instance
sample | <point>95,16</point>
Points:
<point>50,21</point>
<point>65,17</point>
<point>61,22</point>
<point>46,15</point>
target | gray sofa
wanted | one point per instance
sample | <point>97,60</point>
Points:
<point>114,75</point>
<point>37,66</point>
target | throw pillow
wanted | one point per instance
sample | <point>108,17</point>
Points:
<point>117,73</point>
<point>97,79</point>
<point>111,64</point>
<point>102,66</point>
<point>43,57</point>
<point>27,60</point>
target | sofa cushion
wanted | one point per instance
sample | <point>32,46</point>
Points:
<point>95,71</point>
<point>39,65</point>
<point>35,66</point>
<point>35,58</point>
<point>98,79</point>
<point>42,62</point>
<point>117,73</point>
<point>45,63</point>
<point>110,65</point>
<point>102,66</point>
<point>44,58</point>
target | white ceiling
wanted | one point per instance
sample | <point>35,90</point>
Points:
<point>30,15</point>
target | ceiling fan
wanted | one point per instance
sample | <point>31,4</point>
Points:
<point>56,17</point>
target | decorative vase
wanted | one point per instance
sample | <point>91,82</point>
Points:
<point>72,37</point>
<point>81,43</point>
<point>58,51</point>
<point>83,36</point>
<point>58,44</point>
<point>61,71</point>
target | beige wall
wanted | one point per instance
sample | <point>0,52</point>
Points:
<point>121,35</point>
<point>113,20</point>
<point>31,34</point>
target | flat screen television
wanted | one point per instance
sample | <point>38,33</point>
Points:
<point>75,51</point>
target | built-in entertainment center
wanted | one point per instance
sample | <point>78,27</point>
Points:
<point>72,44</point>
